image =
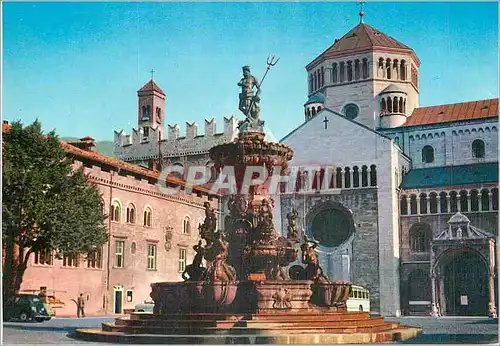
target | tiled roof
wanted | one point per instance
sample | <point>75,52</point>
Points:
<point>362,38</point>
<point>453,112</point>
<point>451,175</point>
<point>151,86</point>
<point>96,157</point>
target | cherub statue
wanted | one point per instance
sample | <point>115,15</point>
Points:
<point>292,224</point>
<point>207,229</point>
<point>195,271</point>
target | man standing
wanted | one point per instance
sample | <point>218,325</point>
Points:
<point>80,305</point>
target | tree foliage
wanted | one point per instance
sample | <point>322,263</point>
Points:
<point>47,204</point>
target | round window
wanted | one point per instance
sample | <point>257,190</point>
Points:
<point>332,227</point>
<point>351,111</point>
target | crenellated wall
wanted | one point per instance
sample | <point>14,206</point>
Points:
<point>191,148</point>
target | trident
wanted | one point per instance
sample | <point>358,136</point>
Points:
<point>271,61</point>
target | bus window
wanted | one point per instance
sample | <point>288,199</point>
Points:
<point>351,294</point>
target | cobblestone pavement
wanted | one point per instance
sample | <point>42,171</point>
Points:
<point>436,330</point>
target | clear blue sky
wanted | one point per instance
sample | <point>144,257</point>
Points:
<point>77,66</point>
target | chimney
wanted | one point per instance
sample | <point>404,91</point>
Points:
<point>85,143</point>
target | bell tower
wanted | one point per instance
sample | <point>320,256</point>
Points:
<point>151,110</point>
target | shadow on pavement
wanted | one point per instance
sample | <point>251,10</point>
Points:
<point>485,321</point>
<point>453,339</point>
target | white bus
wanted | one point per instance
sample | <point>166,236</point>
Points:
<point>359,299</point>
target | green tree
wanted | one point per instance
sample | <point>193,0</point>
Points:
<point>47,205</point>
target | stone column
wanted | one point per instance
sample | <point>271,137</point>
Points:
<point>418,205</point>
<point>428,205</point>
<point>433,295</point>
<point>468,201</point>
<point>491,200</point>
<point>492,311</point>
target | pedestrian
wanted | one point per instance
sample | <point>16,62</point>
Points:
<point>80,305</point>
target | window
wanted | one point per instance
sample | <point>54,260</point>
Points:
<point>356,70</point>
<point>342,72</point>
<point>338,178</point>
<point>147,217</point>
<point>335,77</point>
<point>158,114</point>
<point>463,201</point>
<point>453,202</point>
<point>365,68</point>
<point>443,202</point>
<point>478,149</point>
<point>427,154</point>
<point>494,197</point>
<point>347,177</point>
<point>355,176</point>
<point>349,71</point>
<point>186,228</point>
<point>351,111</point>
<point>420,237</point>
<point>433,203</point>
<point>43,257</point>
<point>151,257</point>
<point>485,200</point>
<point>130,213</point>
<point>130,296</point>
<point>115,211</point>
<point>119,246</point>
<point>423,203</point>
<point>402,72</point>
<point>70,260</point>
<point>94,259</point>
<point>404,205</point>
<point>364,176</point>
<point>474,200</point>
<point>413,204</point>
<point>373,175</point>
<point>182,260</point>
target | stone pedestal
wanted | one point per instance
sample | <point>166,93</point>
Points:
<point>283,295</point>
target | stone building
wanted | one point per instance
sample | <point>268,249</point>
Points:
<point>147,147</point>
<point>400,175</point>
<point>151,238</point>
<point>396,175</point>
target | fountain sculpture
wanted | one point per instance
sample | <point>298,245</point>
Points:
<point>246,288</point>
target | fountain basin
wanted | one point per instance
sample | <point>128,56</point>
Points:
<point>219,295</point>
<point>283,295</point>
<point>334,293</point>
<point>176,296</point>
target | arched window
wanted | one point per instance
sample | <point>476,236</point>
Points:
<point>116,211</point>
<point>395,68</point>
<point>380,72</point>
<point>478,149</point>
<point>463,201</point>
<point>130,213</point>
<point>413,204</point>
<point>453,202</point>
<point>433,203</point>
<point>147,217</point>
<point>305,180</point>
<point>404,205</point>
<point>335,77</point>
<point>396,140</point>
<point>356,69</point>
<point>474,200</point>
<point>186,229</point>
<point>383,106</point>
<point>364,176</point>
<point>443,203</point>
<point>158,114</point>
<point>373,175</point>
<point>347,177</point>
<point>420,237</point>
<point>402,70</point>
<point>349,71</point>
<point>313,111</point>
<point>365,68</point>
<point>355,176</point>
<point>342,72</point>
<point>395,105</point>
<point>389,105</point>
<point>322,76</point>
<point>388,68</point>
<point>485,200</point>
<point>423,203</point>
<point>401,105</point>
<point>427,154</point>
<point>494,203</point>
<point>338,178</point>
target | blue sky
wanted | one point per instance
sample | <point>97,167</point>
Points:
<point>77,66</point>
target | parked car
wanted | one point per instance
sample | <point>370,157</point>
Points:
<point>26,307</point>
<point>146,307</point>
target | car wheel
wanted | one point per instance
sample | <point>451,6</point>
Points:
<point>23,317</point>
<point>140,310</point>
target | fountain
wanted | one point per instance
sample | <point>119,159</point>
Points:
<point>246,293</point>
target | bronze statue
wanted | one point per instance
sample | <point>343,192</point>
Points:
<point>249,103</point>
<point>293,232</point>
<point>207,229</point>
<point>195,271</point>
<point>310,258</point>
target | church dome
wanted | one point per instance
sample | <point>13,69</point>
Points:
<point>392,88</point>
<point>316,98</point>
<point>458,218</point>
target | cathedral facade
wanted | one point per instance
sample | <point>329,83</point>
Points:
<point>411,206</point>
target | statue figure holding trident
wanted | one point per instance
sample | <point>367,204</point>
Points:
<point>249,102</point>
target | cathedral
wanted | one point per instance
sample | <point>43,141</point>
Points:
<point>411,211</point>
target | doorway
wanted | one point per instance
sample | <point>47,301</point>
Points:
<point>466,285</point>
<point>118,299</point>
